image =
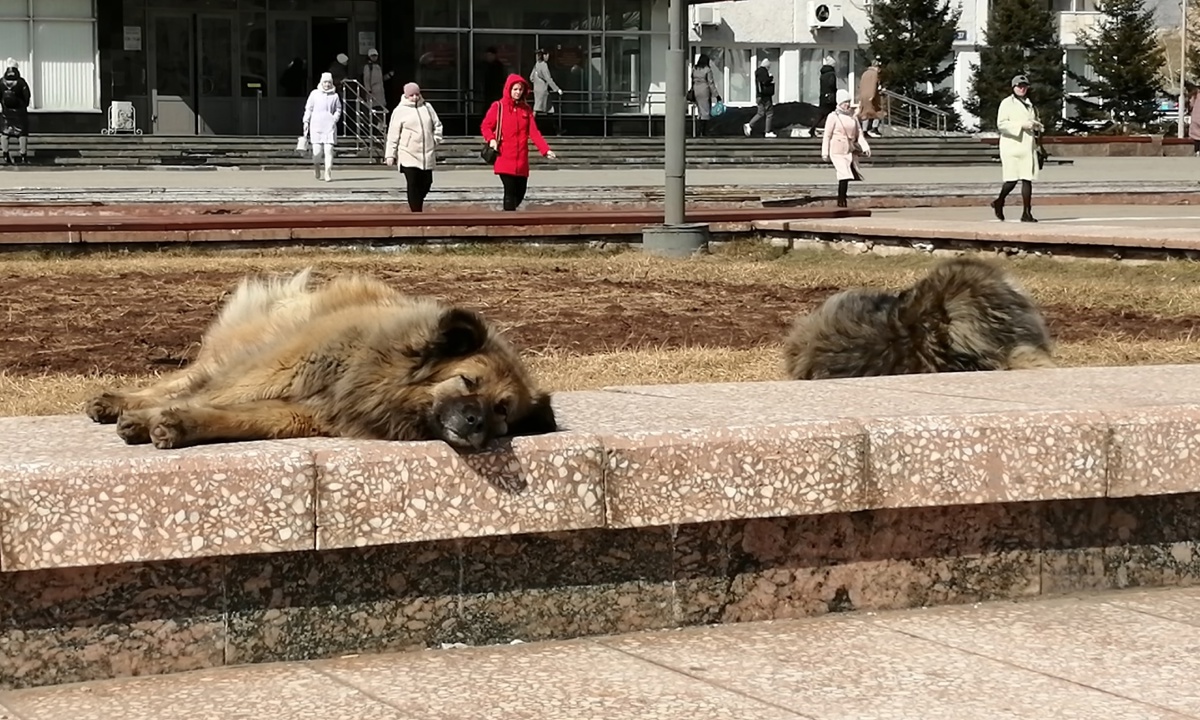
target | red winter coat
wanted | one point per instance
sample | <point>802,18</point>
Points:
<point>517,127</point>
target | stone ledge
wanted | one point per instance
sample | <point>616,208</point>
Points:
<point>72,494</point>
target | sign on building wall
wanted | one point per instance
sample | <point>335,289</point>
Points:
<point>133,37</point>
<point>366,41</point>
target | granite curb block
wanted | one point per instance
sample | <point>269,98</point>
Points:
<point>72,494</point>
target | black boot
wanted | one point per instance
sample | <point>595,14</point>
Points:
<point>1028,217</point>
<point>998,208</point>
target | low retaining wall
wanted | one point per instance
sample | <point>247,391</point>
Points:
<point>655,507</point>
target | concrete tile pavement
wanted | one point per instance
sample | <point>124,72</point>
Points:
<point>1125,172</point>
<point>1130,654</point>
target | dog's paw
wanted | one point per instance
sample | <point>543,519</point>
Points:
<point>105,408</point>
<point>168,429</point>
<point>134,427</point>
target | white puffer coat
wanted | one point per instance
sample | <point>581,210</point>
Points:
<point>414,134</point>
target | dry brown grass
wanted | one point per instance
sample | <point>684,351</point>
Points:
<point>1170,287</point>
<point>56,394</point>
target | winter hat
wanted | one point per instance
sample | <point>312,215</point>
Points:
<point>412,89</point>
<point>326,77</point>
<point>10,63</point>
<point>343,58</point>
<point>829,60</point>
<point>1020,80</point>
<point>766,62</point>
<point>372,53</point>
<point>843,96</point>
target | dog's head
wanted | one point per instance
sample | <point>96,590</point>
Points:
<point>478,387</point>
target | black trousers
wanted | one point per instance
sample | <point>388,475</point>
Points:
<point>514,190</point>
<point>417,183</point>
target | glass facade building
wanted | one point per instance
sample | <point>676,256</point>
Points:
<point>245,67</point>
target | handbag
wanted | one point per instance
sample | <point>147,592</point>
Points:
<point>301,143</point>
<point>718,108</point>
<point>489,153</point>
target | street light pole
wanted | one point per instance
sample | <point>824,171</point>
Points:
<point>675,237</point>
<point>1183,32</point>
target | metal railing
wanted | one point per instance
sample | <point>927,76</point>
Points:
<point>913,115</point>
<point>608,106</point>
<point>362,123</point>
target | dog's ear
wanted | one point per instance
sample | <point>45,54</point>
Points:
<point>459,332</point>
<point>539,420</point>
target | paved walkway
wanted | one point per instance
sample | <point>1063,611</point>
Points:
<point>1132,655</point>
<point>1071,216</point>
<point>1127,172</point>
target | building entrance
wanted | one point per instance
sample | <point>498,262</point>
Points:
<point>194,74</point>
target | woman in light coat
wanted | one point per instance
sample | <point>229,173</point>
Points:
<point>1017,121</point>
<point>841,144</point>
<point>412,139</point>
<point>543,83</point>
<point>321,115</point>
<point>703,91</point>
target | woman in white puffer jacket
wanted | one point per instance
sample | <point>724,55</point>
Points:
<point>413,136</point>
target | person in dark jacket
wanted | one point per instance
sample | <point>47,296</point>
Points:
<point>765,84</point>
<point>14,111</point>
<point>827,99</point>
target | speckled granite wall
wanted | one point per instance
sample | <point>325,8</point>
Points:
<point>76,624</point>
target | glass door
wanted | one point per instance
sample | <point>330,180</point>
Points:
<point>218,103</point>
<point>172,106</point>
<point>293,74</point>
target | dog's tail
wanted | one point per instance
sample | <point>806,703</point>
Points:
<point>256,296</point>
<point>974,308</point>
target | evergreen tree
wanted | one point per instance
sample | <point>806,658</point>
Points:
<point>1125,55</point>
<point>1022,39</point>
<point>912,39</point>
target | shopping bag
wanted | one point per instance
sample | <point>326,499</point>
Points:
<point>718,108</point>
<point>301,143</point>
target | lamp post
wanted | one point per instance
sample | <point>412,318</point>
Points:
<point>675,237</point>
<point>1183,31</point>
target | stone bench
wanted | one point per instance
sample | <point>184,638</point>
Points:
<point>655,506</point>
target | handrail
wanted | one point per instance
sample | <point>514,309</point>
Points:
<point>362,122</point>
<point>911,109</point>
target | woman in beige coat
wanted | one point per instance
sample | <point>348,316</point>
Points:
<point>412,139</point>
<point>1017,121</point>
<point>870,109</point>
<point>842,143</point>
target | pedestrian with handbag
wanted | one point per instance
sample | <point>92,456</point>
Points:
<point>321,115</point>
<point>1021,154</point>
<point>507,129</point>
<point>413,135</point>
<point>842,142</point>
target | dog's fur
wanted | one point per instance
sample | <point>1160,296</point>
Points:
<point>351,358</point>
<point>965,315</point>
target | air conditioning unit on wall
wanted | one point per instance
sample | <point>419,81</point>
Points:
<point>824,14</point>
<point>707,16</point>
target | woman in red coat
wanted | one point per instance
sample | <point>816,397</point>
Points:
<point>517,127</point>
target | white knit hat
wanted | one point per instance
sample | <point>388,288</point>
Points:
<point>10,63</point>
<point>843,96</point>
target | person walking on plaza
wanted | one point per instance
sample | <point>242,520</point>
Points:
<point>703,91</point>
<point>1017,122</point>
<point>870,109</point>
<point>764,83</point>
<point>507,128</point>
<point>14,112</point>
<point>321,115</point>
<point>543,83</point>
<point>842,143</point>
<point>412,139</point>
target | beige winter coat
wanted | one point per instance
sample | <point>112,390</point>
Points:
<point>373,82</point>
<point>413,135</point>
<point>841,131</point>
<point>869,107</point>
<point>1018,146</point>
